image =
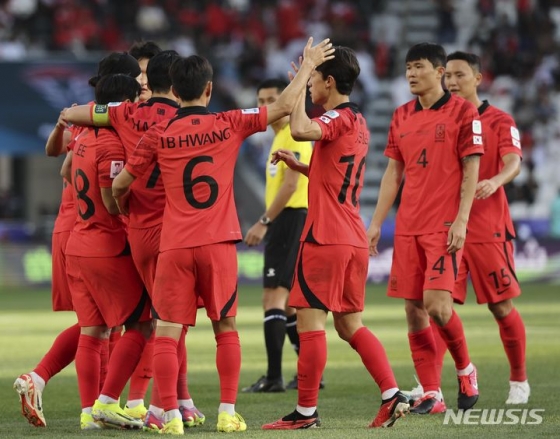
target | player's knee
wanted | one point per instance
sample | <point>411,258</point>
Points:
<point>226,324</point>
<point>502,309</point>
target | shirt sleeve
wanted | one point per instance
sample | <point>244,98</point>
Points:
<point>334,124</point>
<point>509,138</point>
<point>470,132</point>
<point>248,121</point>
<point>144,154</point>
<point>392,148</point>
<point>110,160</point>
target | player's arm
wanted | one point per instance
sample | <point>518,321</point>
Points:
<point>458,230</point>
<point>301,126</point>
<point>59,138</point>
<point>66,168</point>
<point>510,170</point>
<point>108,201</point>
<point>388,190</point>
<point>88,115</point>
<point>313,56</point>
<point>289,185</point>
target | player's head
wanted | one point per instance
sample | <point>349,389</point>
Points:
<point>463,74</point>
<point>144,51</point>
<point>191,78</point>
<point>116,62</point>
<point>425,66</point>
<point>157,71</point>
<point>116,88</point>
<point>340,72</point>
<point>269,90</point>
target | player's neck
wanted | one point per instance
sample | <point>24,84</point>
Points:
<point>168,95</point>
<point>431,97</point>
<point>335,100</point>
<point>475,100</point>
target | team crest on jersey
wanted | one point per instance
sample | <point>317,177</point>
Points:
<point>116,168</point>
<point>250,111</point>
<point>440,132</point>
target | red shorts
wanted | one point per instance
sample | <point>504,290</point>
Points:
<point>107,291</point>
<point>330,277</point>
<point>144,245</point>
<point>492,272</point>
<point>184,275</point>
<point>61,297</point>
<point>422,263</point>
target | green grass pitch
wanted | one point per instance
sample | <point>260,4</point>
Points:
<point>350,399</point>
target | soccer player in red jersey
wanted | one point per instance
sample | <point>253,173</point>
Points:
<point>196,153</point>
<point>143,52</point>
<point>332,265</point>
<point>435,142</point>
<point>488,252</point>
<point>97,245</point>
<point>31,385</point>
<point>145,204</point>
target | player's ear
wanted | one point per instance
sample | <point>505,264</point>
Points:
<point>208,91</point>
<point>478,78</point>
<point>174,92</point>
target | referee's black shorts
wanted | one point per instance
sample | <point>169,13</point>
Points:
<point>281,248</point>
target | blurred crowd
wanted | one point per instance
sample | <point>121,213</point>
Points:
<point>248,40</point>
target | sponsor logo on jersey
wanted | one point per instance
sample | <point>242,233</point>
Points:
<point>250,111</point>
<point>477,140</point>
<point>116,168</point>
<point>476,127</point>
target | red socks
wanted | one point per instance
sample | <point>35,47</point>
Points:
<point>140,379</point>
<point>166,369</point>
<point>374,358</point>
<point>182,385</point>
<point>454,337</point>
<point>311,364</point>
<point>122,362</point>
<point>88,361</point>
<point>441,347</point>
<point>423,349</point>
<point>512,333</point>
<point>61,353</point>
<point>228,363</point>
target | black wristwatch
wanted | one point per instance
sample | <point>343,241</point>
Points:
<point>265,221</point>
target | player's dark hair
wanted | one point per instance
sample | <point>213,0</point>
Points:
<point>190,76</point>
<point>144,49</point>
<point>344,68</point>
<point>116,88</point>
<point>430,51</point>
<point>279,84</point>
<point>470,58</point>
<point>116,62</point>
<point>159,80</point>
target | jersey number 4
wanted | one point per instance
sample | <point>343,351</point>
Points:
<point>349,159</point>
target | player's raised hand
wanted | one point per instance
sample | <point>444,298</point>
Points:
<point>318,54</point>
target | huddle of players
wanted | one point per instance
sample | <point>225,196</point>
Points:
<point>435,141</point>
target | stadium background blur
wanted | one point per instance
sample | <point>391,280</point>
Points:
<point>49,48</point>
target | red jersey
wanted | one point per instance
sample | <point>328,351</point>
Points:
<point>196,153</point>
<point>336,178</point>
<point>98,158</point>
<point>131,121</point>
<point>490,220</point>
<point>431,144</point>
<point>67,211</point>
